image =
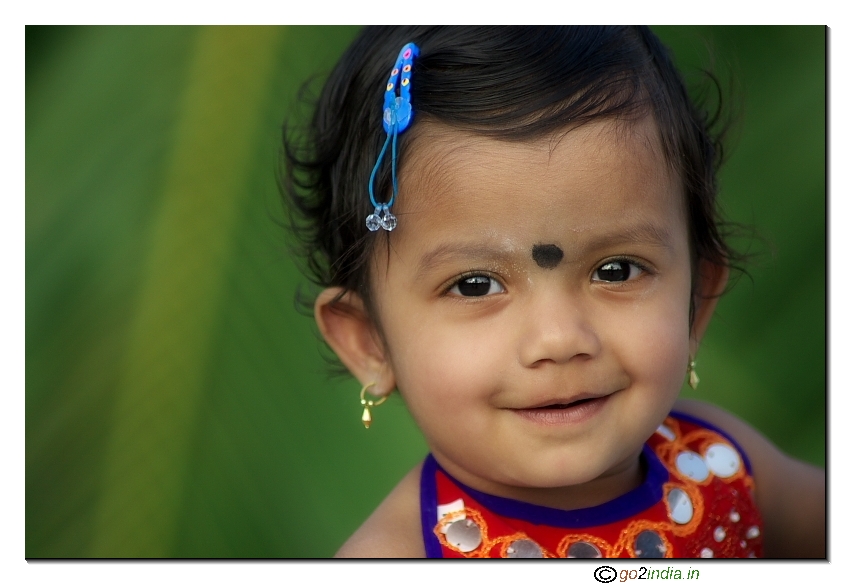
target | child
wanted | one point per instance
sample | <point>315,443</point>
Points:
<point>518,232</point>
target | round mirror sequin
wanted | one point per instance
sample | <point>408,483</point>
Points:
<point>583,550</point>
<point>691,465</point>
<point>524,549</point>
<point>464,535</point>
<point>680,506</point>
<point>650,545</point>
<point>722,460</point>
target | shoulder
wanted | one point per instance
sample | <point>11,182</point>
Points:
<point>393,530</point>
<point>790,494</point>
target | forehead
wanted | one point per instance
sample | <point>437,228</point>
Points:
<point>440,156</point>
<point>604,175</point>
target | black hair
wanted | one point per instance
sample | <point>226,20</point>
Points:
<point>508,83</point>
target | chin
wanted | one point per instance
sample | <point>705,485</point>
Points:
<point>559,473</point>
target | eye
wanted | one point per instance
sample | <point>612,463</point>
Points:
<point>476,285</point>
<point>616,271</point>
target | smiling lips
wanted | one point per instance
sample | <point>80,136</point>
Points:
<point>559,413</point>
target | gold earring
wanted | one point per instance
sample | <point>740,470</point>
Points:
<point>693,379</point>
<point>367,404</point>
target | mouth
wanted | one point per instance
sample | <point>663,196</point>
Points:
<point>574,403</point>
<point>556,412</point>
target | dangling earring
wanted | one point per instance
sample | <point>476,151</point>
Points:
<point>693,379</point>
<point>367,404</point>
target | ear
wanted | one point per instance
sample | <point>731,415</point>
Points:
<point>710,284</point>
<point>348,330</point>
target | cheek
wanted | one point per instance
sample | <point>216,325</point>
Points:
<point>651,337</point>
<point>659,345</point>
<point>444,362</point>
<point>668,348</point>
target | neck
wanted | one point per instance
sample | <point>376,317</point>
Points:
<point>617,481</point>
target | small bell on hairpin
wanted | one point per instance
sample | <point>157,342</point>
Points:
<point>382,217</point>
<point>396,117</point>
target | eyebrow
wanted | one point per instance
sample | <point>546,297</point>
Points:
<point>449,251</point>
<point>641,233</point>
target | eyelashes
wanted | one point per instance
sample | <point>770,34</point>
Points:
<point>476,285</point>
<point>618,270</point>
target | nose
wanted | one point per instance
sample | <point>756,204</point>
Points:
<point>556,328</point>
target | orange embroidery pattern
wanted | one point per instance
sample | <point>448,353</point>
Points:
<point>732,528</point>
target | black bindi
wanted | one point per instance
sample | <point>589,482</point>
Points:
<point>547,256</point>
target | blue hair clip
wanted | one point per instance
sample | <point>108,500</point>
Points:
<point>397,116</point>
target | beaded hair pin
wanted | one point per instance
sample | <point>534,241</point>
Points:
<point>397,116</point>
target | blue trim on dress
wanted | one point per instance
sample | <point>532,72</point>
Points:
<point>626,506</point>
<point>707,425</point>
<point>428,508</point>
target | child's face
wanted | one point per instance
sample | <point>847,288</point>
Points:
<point>534,302</point>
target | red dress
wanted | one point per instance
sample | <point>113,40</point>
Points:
<point>696,501</point>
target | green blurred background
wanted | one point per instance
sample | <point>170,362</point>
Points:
<point>177,405</point>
